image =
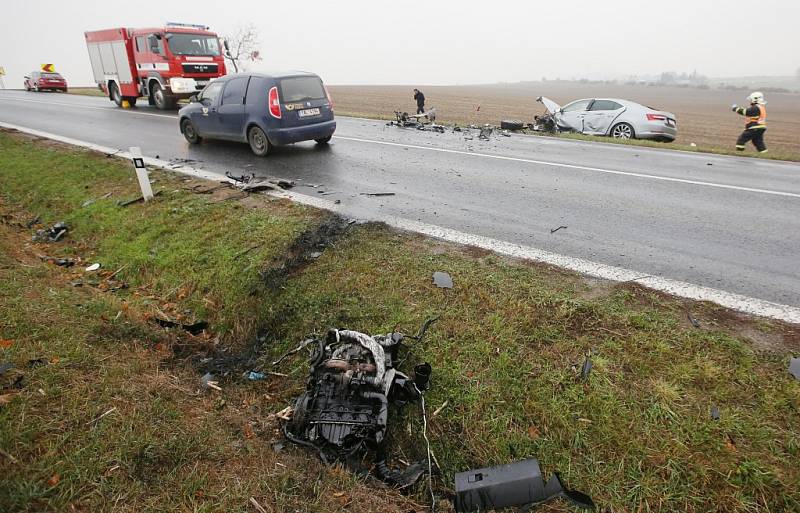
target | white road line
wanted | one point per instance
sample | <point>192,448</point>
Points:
<point>573,166</point>
<point>81,106</point>
<point>738,302</point>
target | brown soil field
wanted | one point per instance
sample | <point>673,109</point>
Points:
<point>704,116</point>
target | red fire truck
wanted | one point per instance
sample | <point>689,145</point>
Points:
<point>161,64</point>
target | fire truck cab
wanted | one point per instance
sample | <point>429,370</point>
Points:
<point>162,64</point>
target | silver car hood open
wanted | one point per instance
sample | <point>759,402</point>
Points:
<point>551,106</point>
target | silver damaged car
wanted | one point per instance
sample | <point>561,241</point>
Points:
<point>621,119</point>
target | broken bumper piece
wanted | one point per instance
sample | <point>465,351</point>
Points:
<point>515,484</point>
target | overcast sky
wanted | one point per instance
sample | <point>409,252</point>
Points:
<point>438,42</point>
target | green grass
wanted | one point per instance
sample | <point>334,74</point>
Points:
<point>506,350</point>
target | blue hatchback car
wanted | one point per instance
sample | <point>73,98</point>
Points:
<point>262,110</point>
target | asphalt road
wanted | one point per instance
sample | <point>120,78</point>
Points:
<point>727,223</point>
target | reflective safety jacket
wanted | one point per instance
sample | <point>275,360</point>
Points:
<point>755,116</point>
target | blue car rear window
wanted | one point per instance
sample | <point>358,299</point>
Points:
<point>298,89</point>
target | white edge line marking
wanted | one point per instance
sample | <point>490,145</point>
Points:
<point>574,166</point>
<point>731,300</point>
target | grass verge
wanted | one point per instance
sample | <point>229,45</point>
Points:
<point>109,414</point>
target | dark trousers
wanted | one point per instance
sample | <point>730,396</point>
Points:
<point>756,135</point>
<point>420,108</point>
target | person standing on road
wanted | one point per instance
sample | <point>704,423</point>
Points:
<point>755,123</point>
<point>420,101</point>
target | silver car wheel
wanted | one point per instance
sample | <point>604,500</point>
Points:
<point>622,131</point>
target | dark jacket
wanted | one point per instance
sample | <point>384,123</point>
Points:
<point>420,98</point>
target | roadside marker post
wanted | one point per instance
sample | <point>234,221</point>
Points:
<point>141,173</point>
<point>2,74</point>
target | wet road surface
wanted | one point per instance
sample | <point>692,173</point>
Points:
<point>728,223</point>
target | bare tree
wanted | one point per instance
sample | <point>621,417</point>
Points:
<point>243,47</point>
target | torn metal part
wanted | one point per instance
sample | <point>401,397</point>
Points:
<point>343,413</point>
<point>794,367</point>
<point>194,328</point>
<point>485,132</point>
<point>33,222</point>
<point>240,178</point>
<point>514,484</point>
<point>586,368</point>
<point>554,230</point>
<point>53,234</point>
<point>442,280</point>
<point>715,412</point>
<point>692,320</point>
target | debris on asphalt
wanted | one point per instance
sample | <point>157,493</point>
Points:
<point>194,329</point>
<point>715,412</point>
<point>442,280</point>
<point>53,234</point>
<point>240,178</point>
<point>518,484</point>
<point>93,267</point>
<point>554,230</point>
<point>485,132</point>
<point>794,367</point>
<point>377,194</point>
<point>344,412</point>
<point>176,162</point>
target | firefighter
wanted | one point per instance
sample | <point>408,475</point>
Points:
<point>420,101</point>
<point>755,122</point>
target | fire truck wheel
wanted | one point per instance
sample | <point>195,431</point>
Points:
<point>163,100</point>
<point>113,91</point>
<point>189,132</point>
<point>259,142</point>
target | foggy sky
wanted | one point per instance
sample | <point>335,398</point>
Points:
<point>438,42</point>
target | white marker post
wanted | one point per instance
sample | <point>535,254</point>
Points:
<point>141,173</point>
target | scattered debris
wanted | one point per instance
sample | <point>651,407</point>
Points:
<point>61,262</point>
<point>256,376</point>
<point>515,484</point>
<point>195,329</point>
<point>207,381</point>
<point>442,280</point>
<point>794,367</point>
<point>176,162</point>
<point>93,267</point>
<point>586,368</point>
<point>343,413</point>
<point>52,234</point>
<point>692,320</point>
<point>554,230</point>
<point>485,132</point>
<point>33,222</point>
<point>377,194</point>
<point>278,446</point>
<point>512,124</point>
<point>38,362</point>
<point>715,412</point>
<point>441,408</point>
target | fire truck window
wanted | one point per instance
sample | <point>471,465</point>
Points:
<point>235,91</point>
<point>193,44</point>
<point>140,46</point>
<point>156,44</point>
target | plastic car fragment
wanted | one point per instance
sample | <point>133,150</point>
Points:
<point>518,484</point>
